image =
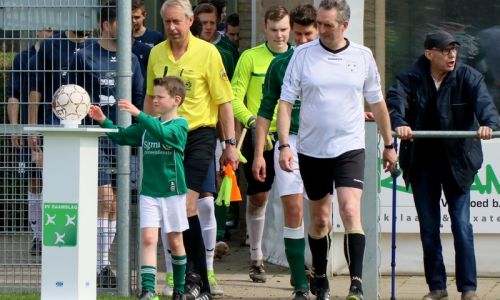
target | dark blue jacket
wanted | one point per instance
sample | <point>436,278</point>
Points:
<point>463,103</point>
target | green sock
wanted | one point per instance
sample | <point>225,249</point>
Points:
<point>179,270</point>
<point>295,251</point>
<point>148,278</point>
<point>221,217</point>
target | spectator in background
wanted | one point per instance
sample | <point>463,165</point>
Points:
<point>94,68</point>
<point>209,18</point>
<point>221,11</point>
<point>437,93</point>
<point>232,29</point>
<point>48,70</point>
<point>17,111</point>
<point>140,32</point>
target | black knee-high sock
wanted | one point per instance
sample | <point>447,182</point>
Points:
<point>319,251</point>
<point>195,251</point>
<point>354,250</point>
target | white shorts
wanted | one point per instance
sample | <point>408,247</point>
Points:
<point>167,213</point>
<point>288,183</point>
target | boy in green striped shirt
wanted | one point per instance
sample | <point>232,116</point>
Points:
<point>163,192</point>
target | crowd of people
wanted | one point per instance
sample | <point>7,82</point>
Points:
<point>302,104</point>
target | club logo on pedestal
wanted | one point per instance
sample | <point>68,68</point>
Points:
<point>60,224</point>
<point>70,104</point>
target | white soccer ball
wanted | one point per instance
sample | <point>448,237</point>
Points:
<point>71,102</point>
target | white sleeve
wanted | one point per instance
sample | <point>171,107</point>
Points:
<point>290,90</point>
<point>372,90</point>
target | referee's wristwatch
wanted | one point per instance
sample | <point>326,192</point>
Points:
<point>231,141</point>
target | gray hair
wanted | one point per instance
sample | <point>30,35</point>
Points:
<point>185,5</point>
<point>343,9</point>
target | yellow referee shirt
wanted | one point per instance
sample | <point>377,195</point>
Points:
<point>204,76</point>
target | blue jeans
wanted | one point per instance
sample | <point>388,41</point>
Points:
<point>432,177</point>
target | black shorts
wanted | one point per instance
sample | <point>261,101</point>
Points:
<point>208,184</point>
<point>255,186</point>
<point>198,155</point>
<point>319,174</point>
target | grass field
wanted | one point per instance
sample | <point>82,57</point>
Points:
<point>36,296</point>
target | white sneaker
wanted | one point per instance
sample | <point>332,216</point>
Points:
<point>168,290</point>
<point>215,288</point>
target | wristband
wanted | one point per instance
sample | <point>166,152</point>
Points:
<point>391,146</point>
<point>251,122</point>
<point>283,146</point>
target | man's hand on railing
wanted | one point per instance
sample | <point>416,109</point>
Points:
<point>484,133</point>
<point>404,132</point>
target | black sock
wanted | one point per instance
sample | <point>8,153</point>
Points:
<point>354,249</point>
<point>195,252</point>
<point>319,250</point>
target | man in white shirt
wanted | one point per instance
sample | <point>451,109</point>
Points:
<point>331,76</point>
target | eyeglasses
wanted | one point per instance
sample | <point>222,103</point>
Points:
<point>447,51</point>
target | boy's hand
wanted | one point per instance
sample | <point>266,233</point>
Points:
<point>127,106</point>
<point>95,112</point>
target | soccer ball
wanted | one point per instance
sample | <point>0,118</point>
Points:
<point>71,102</point>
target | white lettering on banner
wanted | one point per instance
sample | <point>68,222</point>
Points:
<point>485,200</point>
<point>107,81</point>
<point>107,100</point>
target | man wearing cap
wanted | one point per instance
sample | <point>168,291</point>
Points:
<point>437,93</point>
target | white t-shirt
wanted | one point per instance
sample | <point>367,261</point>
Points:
<point>331,86</point>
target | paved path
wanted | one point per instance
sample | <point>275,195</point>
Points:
<point>232,273</point>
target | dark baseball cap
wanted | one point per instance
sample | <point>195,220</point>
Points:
<point>439,39</point>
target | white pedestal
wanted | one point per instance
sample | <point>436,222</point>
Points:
<point>69,211</point>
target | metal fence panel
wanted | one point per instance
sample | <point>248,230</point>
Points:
<point>57,14</point>
<point>26,26</point>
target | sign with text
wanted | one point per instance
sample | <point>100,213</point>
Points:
<point>485,200</point>
<point>60,222</point>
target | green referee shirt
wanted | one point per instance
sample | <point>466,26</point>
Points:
<point>272,90</point>
<point>248,80</point>
<point>163,152</point>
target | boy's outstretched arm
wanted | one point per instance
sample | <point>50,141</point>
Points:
<point>95,112</point>
<point>127,106</point>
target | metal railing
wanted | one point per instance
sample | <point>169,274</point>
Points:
<point>446,134</point>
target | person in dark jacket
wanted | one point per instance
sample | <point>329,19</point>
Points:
<point>437,93</point>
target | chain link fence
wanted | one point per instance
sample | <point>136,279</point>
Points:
<point>44,44</point>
